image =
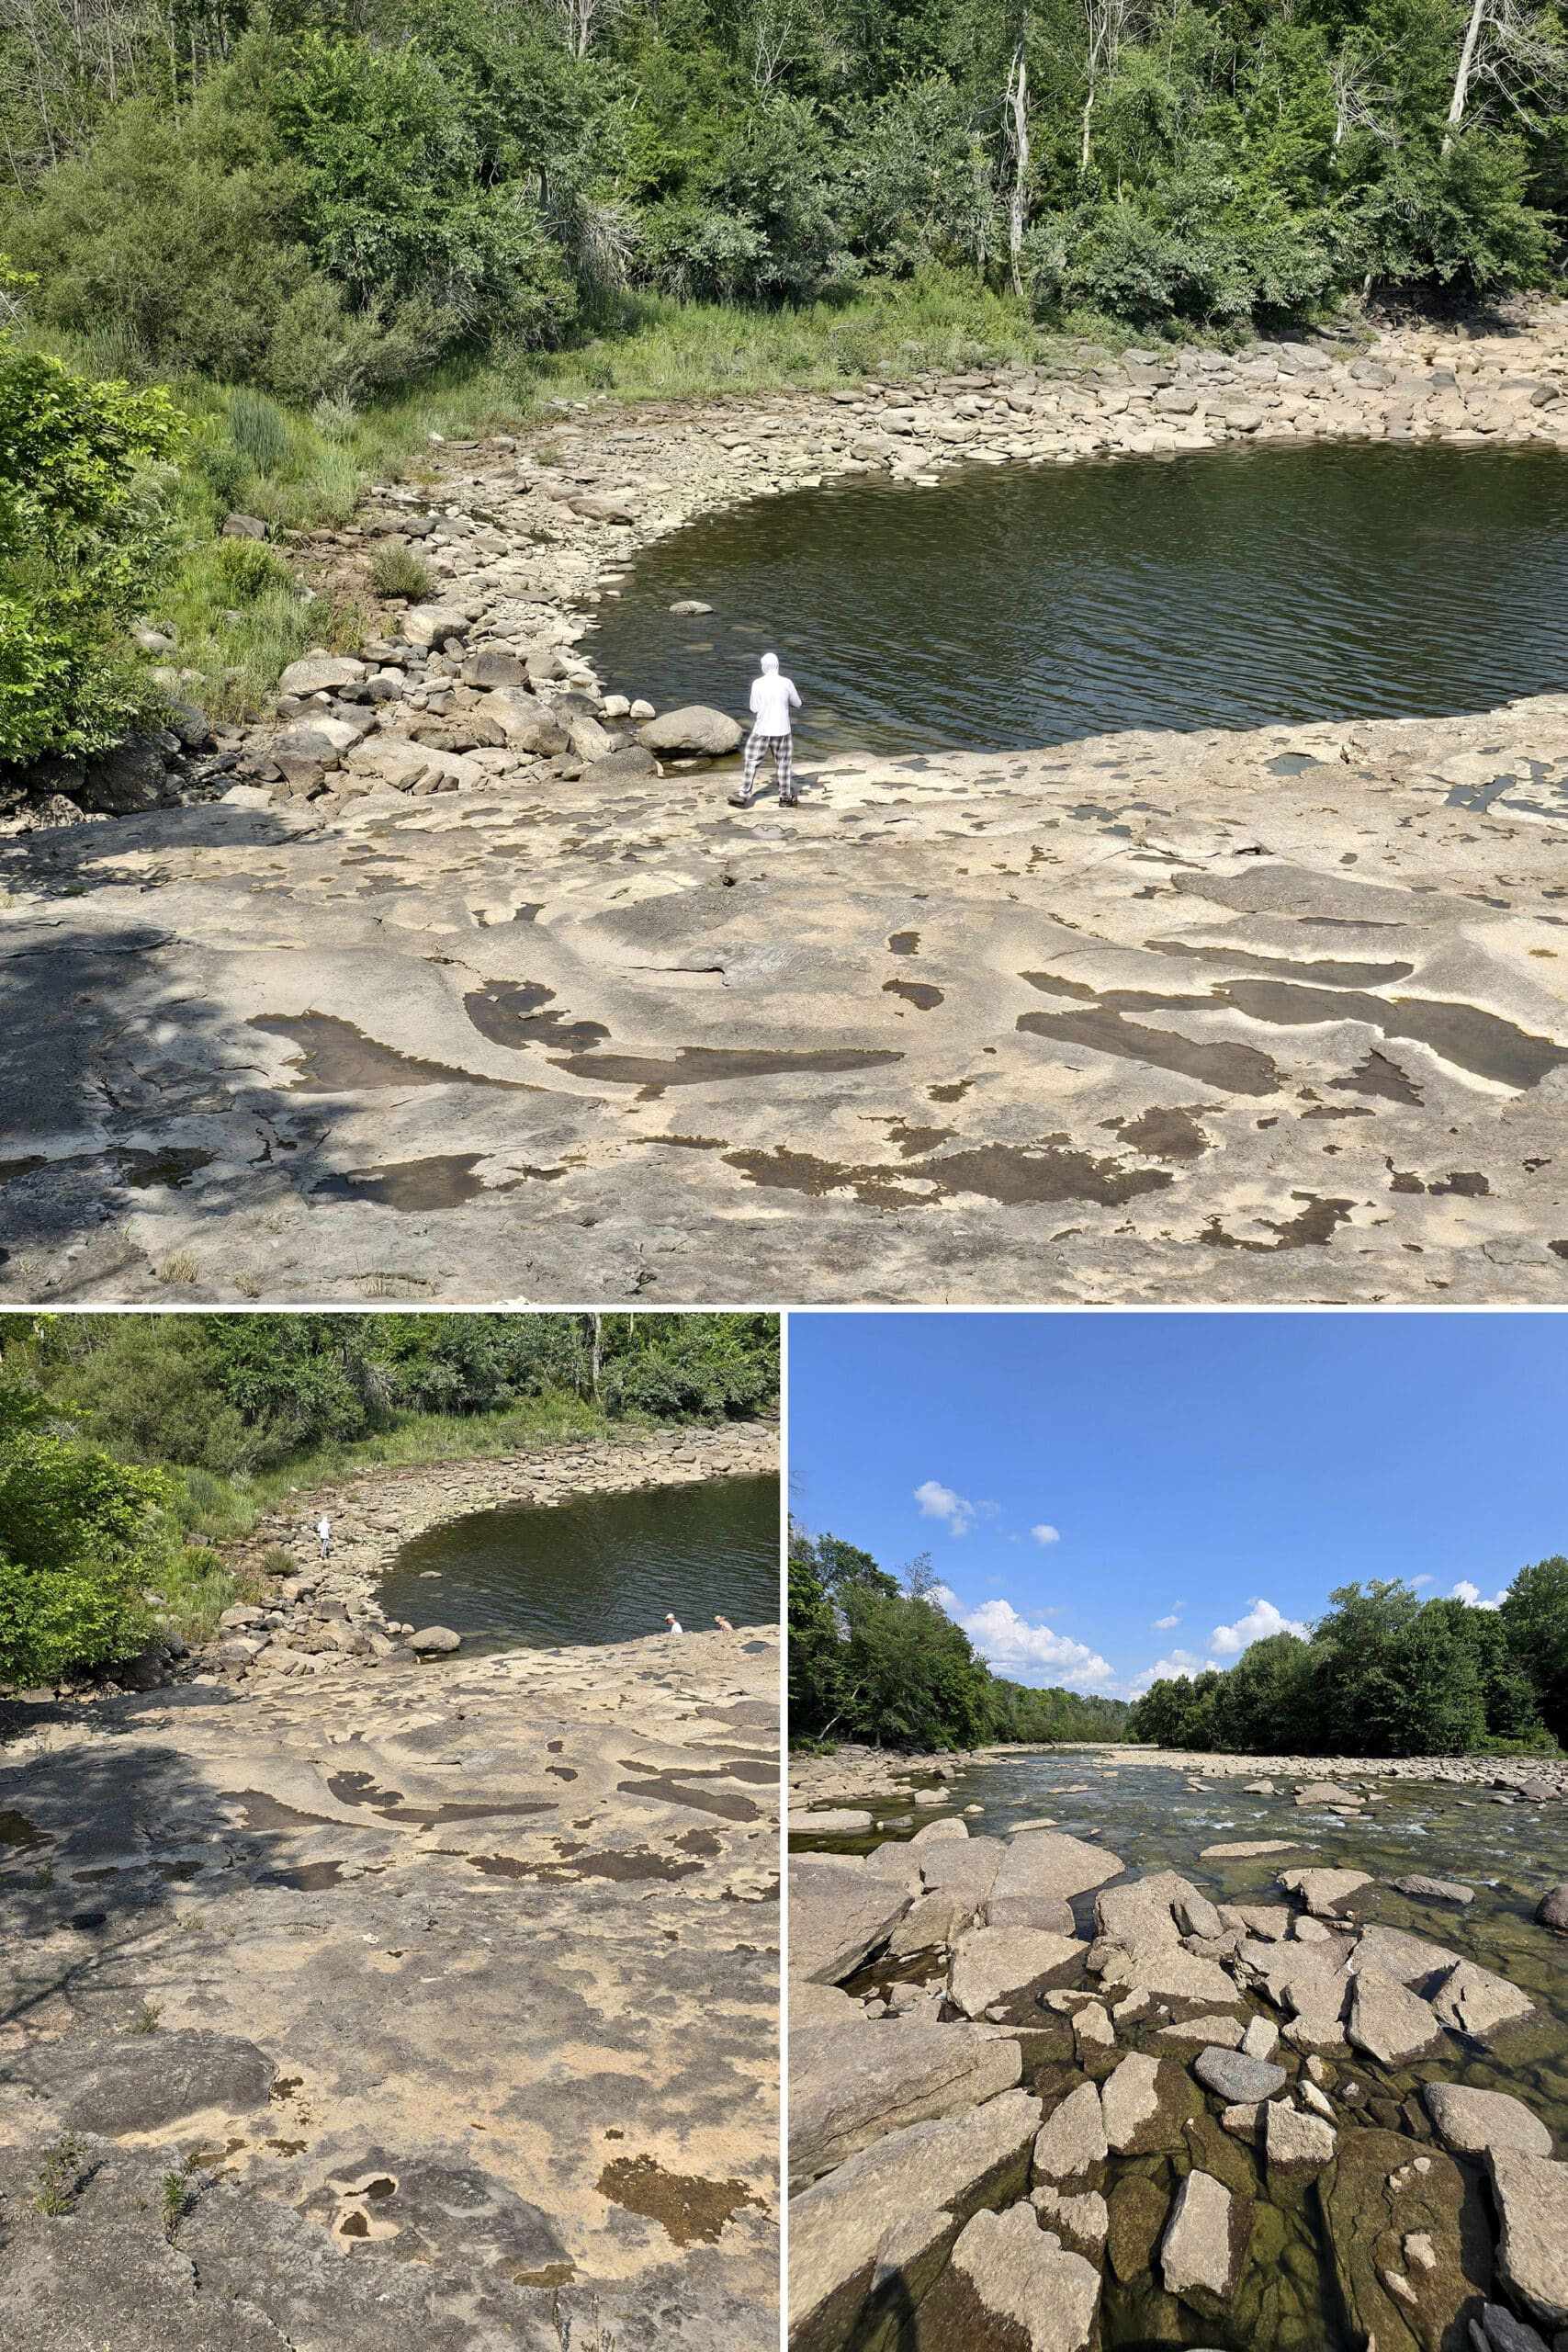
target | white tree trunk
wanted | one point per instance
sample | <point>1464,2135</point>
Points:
<point>1018,104</point>
<point>1466,68</point>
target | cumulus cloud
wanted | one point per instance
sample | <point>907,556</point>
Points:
<point>1045,1535</point>
<point>1261,1619</point>
<point>1464,1591</point>
<point>1166,1670</point>
<point>1008,1640</point>
<point>1164,1624</point>
<point>937,1501</point>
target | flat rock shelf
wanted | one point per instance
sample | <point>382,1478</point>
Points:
<point>448,2005</point>
<point>1123,2050</point>
<point>459,992</point>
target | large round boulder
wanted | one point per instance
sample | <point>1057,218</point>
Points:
<point>694,732</point>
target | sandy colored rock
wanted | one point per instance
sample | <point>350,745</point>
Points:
<point>849,2087</point>
<point>1323,1891</point>
<point>1475,2001</point>
<point>1475,2121</point>
<point>1072,2141</point>
<point>1081,2222</point>
<point>838,1917</point>
<point>1205,2239</point>
<point>1145,2103</point>
<point>1389,2022</point>
<point>1296,2143</point>
<point>994,1964</point>
<point>1039,1871</point>
<point>1012,2284</point>
<point>1531,2193</point>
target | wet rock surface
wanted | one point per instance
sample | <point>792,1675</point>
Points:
<point>1284,2190</point>
<point>1291,996</point>
<point>434,2005</point>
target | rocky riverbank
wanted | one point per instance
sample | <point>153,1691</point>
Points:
<point>1044,2096</point>
<point>472,986</point>
<point>348,2010</point>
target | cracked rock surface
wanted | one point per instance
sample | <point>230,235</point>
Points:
<point>445,2000</point>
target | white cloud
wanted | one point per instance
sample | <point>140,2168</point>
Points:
<point>1419,1580</point>
<point>1261,1619</point>
<point>1164,1624</point>
<point>937,1501</point>
<point>1464,1591</point>
<point>1165,1670</point>
<point>1007,1640</point>
<point>1045,1535</point>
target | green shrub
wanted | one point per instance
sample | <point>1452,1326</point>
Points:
<point>82,538</point>
<point>259,427</point>
<point>246,569</point>
<point>396,572</point>
<point>335,416</point>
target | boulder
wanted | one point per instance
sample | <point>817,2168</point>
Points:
<point>1388,2021</point>
<point>1551,1911</point>
<point>319,672</point>
<point>130,778</point>
<point>1011,2283</point>
<point>1474,2000</point>
<point>833,1821</point>
<point>490,666</point>
<point>191,724</point>
<point>693,731</point>
<point>1531,2196</point>
<point>1501,2332</point>
<point>1475,2122</point>
<point>526,722</point>
<point>1295,2143</point>
<point>604,506</point>
<point>961,1867</point>
<point>1232,2075</point>
<point>1409,1960</point>
<point>953,1826</point>
<point>1322,1890</point>
<point>435,1640</point>
<point>1205,2033</point>
<point>1072,2139</point>
<point>243,526</point>
<point>1146,2102</point>
<point>1205,2241</point>
<point>993,1963</point>
<point>923,2183</point>
<point>1139,1942</point>
<point>838,1918</point>
<point>426,624</point>
<point>625,766</point>
<point>688,607</point>
<point>849,2087</point>
<point>1382,2197</point>
<point>1434,1890</point>
<point>931,1921</point>
<point>1038,1872</point>
<point>1081,2222</point>
<point>1244,1849</point>
<point>812,2004</point>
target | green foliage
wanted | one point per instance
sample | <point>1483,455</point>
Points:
<point>75,1528</point>
<point>259,427</point>
<point>82,540</point>
<point>872,1658</point>
<point>395,572</point>
<point>1383,1674</point>
<point>60,2176</point>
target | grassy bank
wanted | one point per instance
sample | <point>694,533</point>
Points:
<point>238,611</point>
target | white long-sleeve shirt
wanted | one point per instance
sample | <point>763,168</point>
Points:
<point>773,699</point>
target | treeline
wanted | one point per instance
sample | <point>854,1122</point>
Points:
<point>327,196</point>
<point>873,1657</point>
<point>128,1440</point>
<point>1385,1673</point>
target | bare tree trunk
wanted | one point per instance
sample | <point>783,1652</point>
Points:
<point>597,1353</point>
<point>1088,110</point>
<point>1466,67</point>
<point>1017,102</point>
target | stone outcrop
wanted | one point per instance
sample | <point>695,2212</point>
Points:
<point>849,2087</point>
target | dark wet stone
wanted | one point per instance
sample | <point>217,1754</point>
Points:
<point>144,2081</point>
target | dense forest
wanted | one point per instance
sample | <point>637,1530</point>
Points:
<point>324,197</point>
<point>1385,1673</point>
<point>873,1657</point>
<point>129,1442</point>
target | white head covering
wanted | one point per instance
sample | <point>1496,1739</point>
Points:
<point>769,665</point>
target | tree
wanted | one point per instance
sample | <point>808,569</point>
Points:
<point>1535,1619</point>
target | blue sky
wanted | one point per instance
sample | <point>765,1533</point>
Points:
<point>1106,1495</point>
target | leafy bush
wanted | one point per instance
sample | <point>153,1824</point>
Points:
<point>83,536</point>
<point>396,572</point>
<point>259,428</point>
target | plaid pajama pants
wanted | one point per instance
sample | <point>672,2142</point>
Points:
<point>783,749</point>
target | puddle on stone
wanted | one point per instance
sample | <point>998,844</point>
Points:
<point>304,1878</point>
<point>1327,975</point>
<point>1238,1069</point>
<point>143,1169</point>
<point>25,1167</point>
<point>1379,1076</point>
<point>1166,1134</point>
<point>358,1788</point>
<point>716,1065</point>
<point>920,993</point>
<point>1315,1223</point>
<point>690,2208</point>
<point>336,1058</point>
<point>1004,1172</point>
<point>17,1830</point>
<point>509,1013</point>
<point>259,1810</point>
<point>443,1183</point>
<point>904,943</point>
<point>668,1790</point>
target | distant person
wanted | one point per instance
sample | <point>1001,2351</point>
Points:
<point>773,699</point>
<point>723,1623</point>
<point>674,1623</point>
<point>324,1530</point>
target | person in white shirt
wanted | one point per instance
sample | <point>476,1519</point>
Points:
<point>324,1530</point>
<point>674,1622</point>
<point>773,699</point>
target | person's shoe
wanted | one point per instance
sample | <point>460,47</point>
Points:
<point>739,800</point>
<point>789,800</point>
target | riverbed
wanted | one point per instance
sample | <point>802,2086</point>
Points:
<point>1291,2295</point>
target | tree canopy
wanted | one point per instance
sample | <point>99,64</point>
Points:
<point>1384,1673</point>
<point>874,1656</point>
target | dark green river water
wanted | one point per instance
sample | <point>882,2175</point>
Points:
<point>1149,1816</point>
<point>1019,605</point>
<point>598,1568</point>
